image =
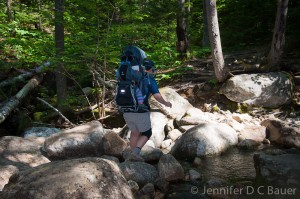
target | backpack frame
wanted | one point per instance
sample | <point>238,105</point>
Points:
<point>128,82</point>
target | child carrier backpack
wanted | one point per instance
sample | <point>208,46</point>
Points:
<point>131,89</point>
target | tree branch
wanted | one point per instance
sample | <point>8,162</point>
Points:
<point>19,97</point>
<point>56,110</point>
<point>100,79</point>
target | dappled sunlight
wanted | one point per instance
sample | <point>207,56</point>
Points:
<point>21,151</point>
<point>31,159</point>
<point>79,178</point>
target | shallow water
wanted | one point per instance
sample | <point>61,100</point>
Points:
<point>234,167</point>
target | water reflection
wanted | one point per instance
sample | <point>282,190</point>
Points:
<point>232,166</point>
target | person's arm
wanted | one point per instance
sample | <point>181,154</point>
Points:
<point>161,100</point>
<point>155,92</point>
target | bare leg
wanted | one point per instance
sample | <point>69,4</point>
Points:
<point>137,140</point>
<point>141,141</point>
<point>134,136</point>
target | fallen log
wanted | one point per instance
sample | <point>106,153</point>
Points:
<point>24,76</point>
<point>20,78</point>
<point>19,97</point>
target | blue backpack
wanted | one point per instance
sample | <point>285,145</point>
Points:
<point>131,87</point>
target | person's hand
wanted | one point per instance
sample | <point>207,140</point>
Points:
<point>169,104</point>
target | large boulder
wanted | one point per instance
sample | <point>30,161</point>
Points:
<point>140,172</point>
<point>204,139</point>
<point>169,168</point>
<point>113,144</point>
<point>80,141</point>
<point>158,122</point>
<point>180,105</point>
<point>263,89</point>
<point>195,116</point>
<point>17,154</point>
<point>282,133</point>
<point>280,169</point>
<point>77,178</point>
<point>256,133</point>
<point>25,151</point>
<point>151,154</point>
<point>6,171</point>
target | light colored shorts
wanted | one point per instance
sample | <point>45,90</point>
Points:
<point>138,121</point>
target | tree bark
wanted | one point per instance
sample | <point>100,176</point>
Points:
<point>39,26</point>
<point>24,76</point>
<point>215,41</point>
<point>181,30</point>
<point>61,80</point>
<point>205,37</point>
<point>20,96</point>
<point>9,10</point>
<point>278,40</point>
<point>20,78</point>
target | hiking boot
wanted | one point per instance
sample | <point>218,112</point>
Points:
<point>135,158</point>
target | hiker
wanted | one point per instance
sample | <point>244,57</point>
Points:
<point>139,123</point>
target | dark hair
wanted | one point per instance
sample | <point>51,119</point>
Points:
<point>148,64</point>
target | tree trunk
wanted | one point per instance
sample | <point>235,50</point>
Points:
<point>39,26</point>
<point>61,81</point>
<point>20,96</point>
<point>278,40</point>
<point>9,10</point>
<point>182,37</point>
<point>215,41</point>
<point>205,38</point>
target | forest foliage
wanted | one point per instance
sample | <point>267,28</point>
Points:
<point>97,30</point>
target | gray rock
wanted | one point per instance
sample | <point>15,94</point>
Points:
<point>169,168</point>
<point>80,141</point>
<point>162,184</point>
<point>113,144</point>
<point>180,105</point>
<point>257,133</point>
<point>158,122</point>
<point>40,132</point>
<point>140,172</point>
<point>174,134</point>
<point>151,154</point>
<point>263,89</point>
<point>248,144</point>
<point>194,175</point>
<point>112,158</point>
<point>282,133</point>
<point>278,169</point>
<point>148,191</point>
<point>134,186</point>
<point>204,139</point>
<point>17,154</point>
<point>24,151</point>
<point>76,178</point>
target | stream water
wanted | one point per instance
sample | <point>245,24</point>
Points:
<point>234,170</point>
